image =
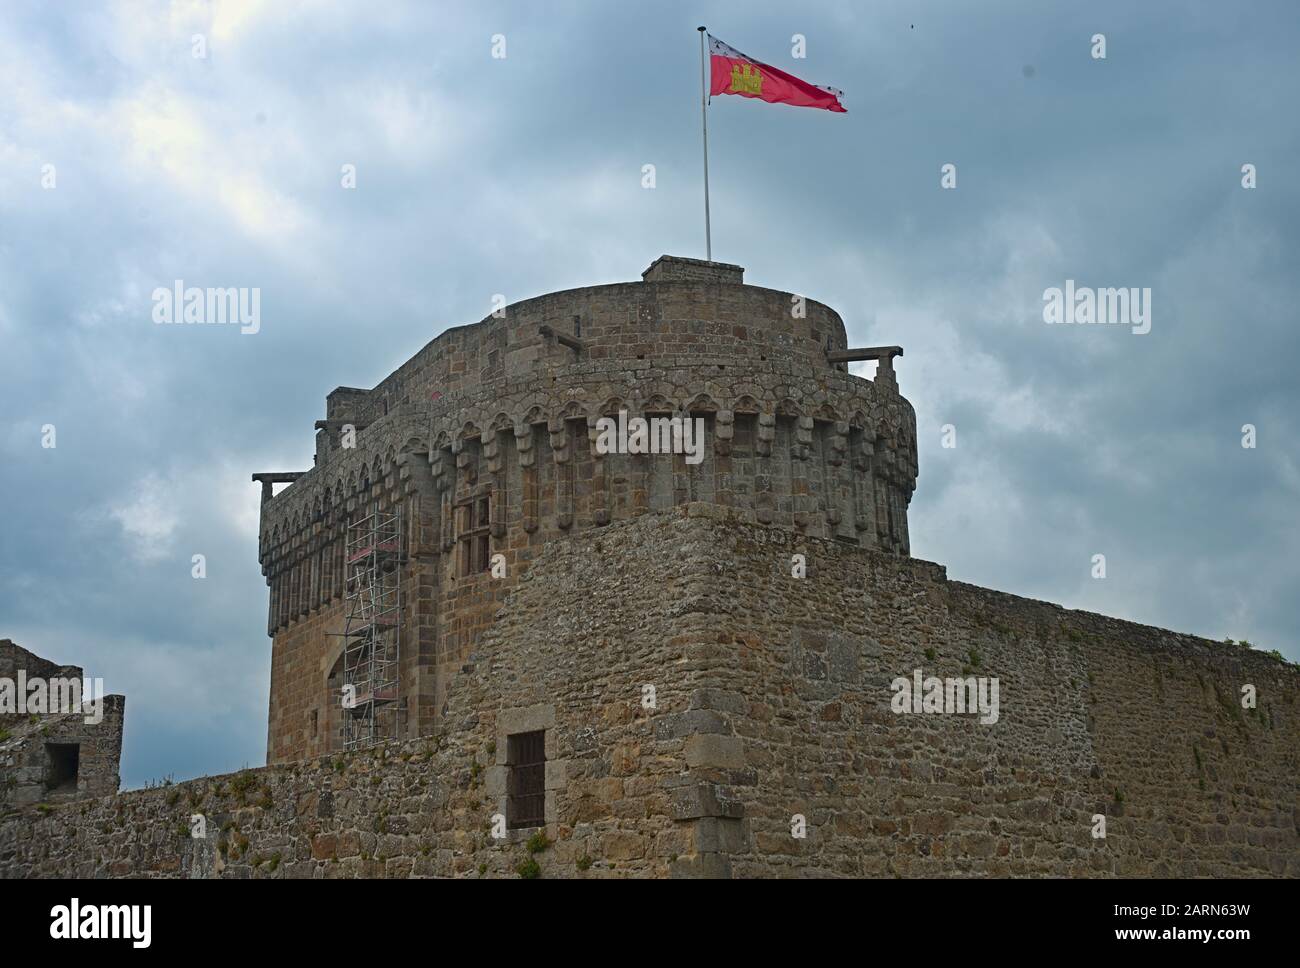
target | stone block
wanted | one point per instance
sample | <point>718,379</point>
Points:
<point>704,800</point>
<point>619,845</point>
<point>715,834</point>
<point>713,750</point>
<point>701,866</point>
<point>696,721</point>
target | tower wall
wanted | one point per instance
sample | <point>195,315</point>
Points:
<point>507,409</point>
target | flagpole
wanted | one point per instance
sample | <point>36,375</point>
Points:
<point>704,115</point>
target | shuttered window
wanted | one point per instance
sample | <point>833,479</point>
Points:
<point>526,788</point>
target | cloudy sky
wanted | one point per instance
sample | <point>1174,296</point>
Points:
<point>126,163</point>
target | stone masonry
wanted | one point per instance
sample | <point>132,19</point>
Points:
<point>54,755</point>
<point>772,700</point>
<point>690,669</point>
<point>505,410</point>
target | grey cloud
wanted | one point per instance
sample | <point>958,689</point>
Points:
<point>523,176</point>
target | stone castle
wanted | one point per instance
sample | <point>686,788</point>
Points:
<point>484,441</point>
<point>500,649</point>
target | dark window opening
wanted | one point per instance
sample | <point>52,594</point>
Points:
<point>473,537</point>
<point>65,760</point>
<point>526,786</point>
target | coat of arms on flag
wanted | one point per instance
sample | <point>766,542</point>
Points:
<point>736,73</point>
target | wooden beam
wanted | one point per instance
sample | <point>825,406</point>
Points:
<point>886,353</point>
<point>575,344</point>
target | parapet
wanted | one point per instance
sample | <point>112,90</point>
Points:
<point>673,268</point>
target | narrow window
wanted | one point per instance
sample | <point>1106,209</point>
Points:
<point>64,761</point>
<point>473,536</point>
<point>482,522</point>
<point>526,786</point>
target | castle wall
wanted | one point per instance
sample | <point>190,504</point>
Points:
<point>770,699</point>
<point>576,644</point>
<point>1097,717</point>
<point>302,721</point>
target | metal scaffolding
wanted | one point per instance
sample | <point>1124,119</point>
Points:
<point>373,633</point>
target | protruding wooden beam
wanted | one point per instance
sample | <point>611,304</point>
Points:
<point>575,344</point>
<point>886,353</point>
<point>883,355</point>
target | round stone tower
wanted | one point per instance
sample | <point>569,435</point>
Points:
<point>484,445</point>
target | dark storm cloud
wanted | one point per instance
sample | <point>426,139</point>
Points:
<point>519,176</point>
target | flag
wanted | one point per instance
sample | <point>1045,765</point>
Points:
<point>734,73</point>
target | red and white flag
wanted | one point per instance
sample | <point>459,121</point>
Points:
<point>734,73</point>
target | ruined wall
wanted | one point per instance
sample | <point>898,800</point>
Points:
<point>771,698</point>
<point>55,755</point>
<point>14,657</point>
<point>34,770</point>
